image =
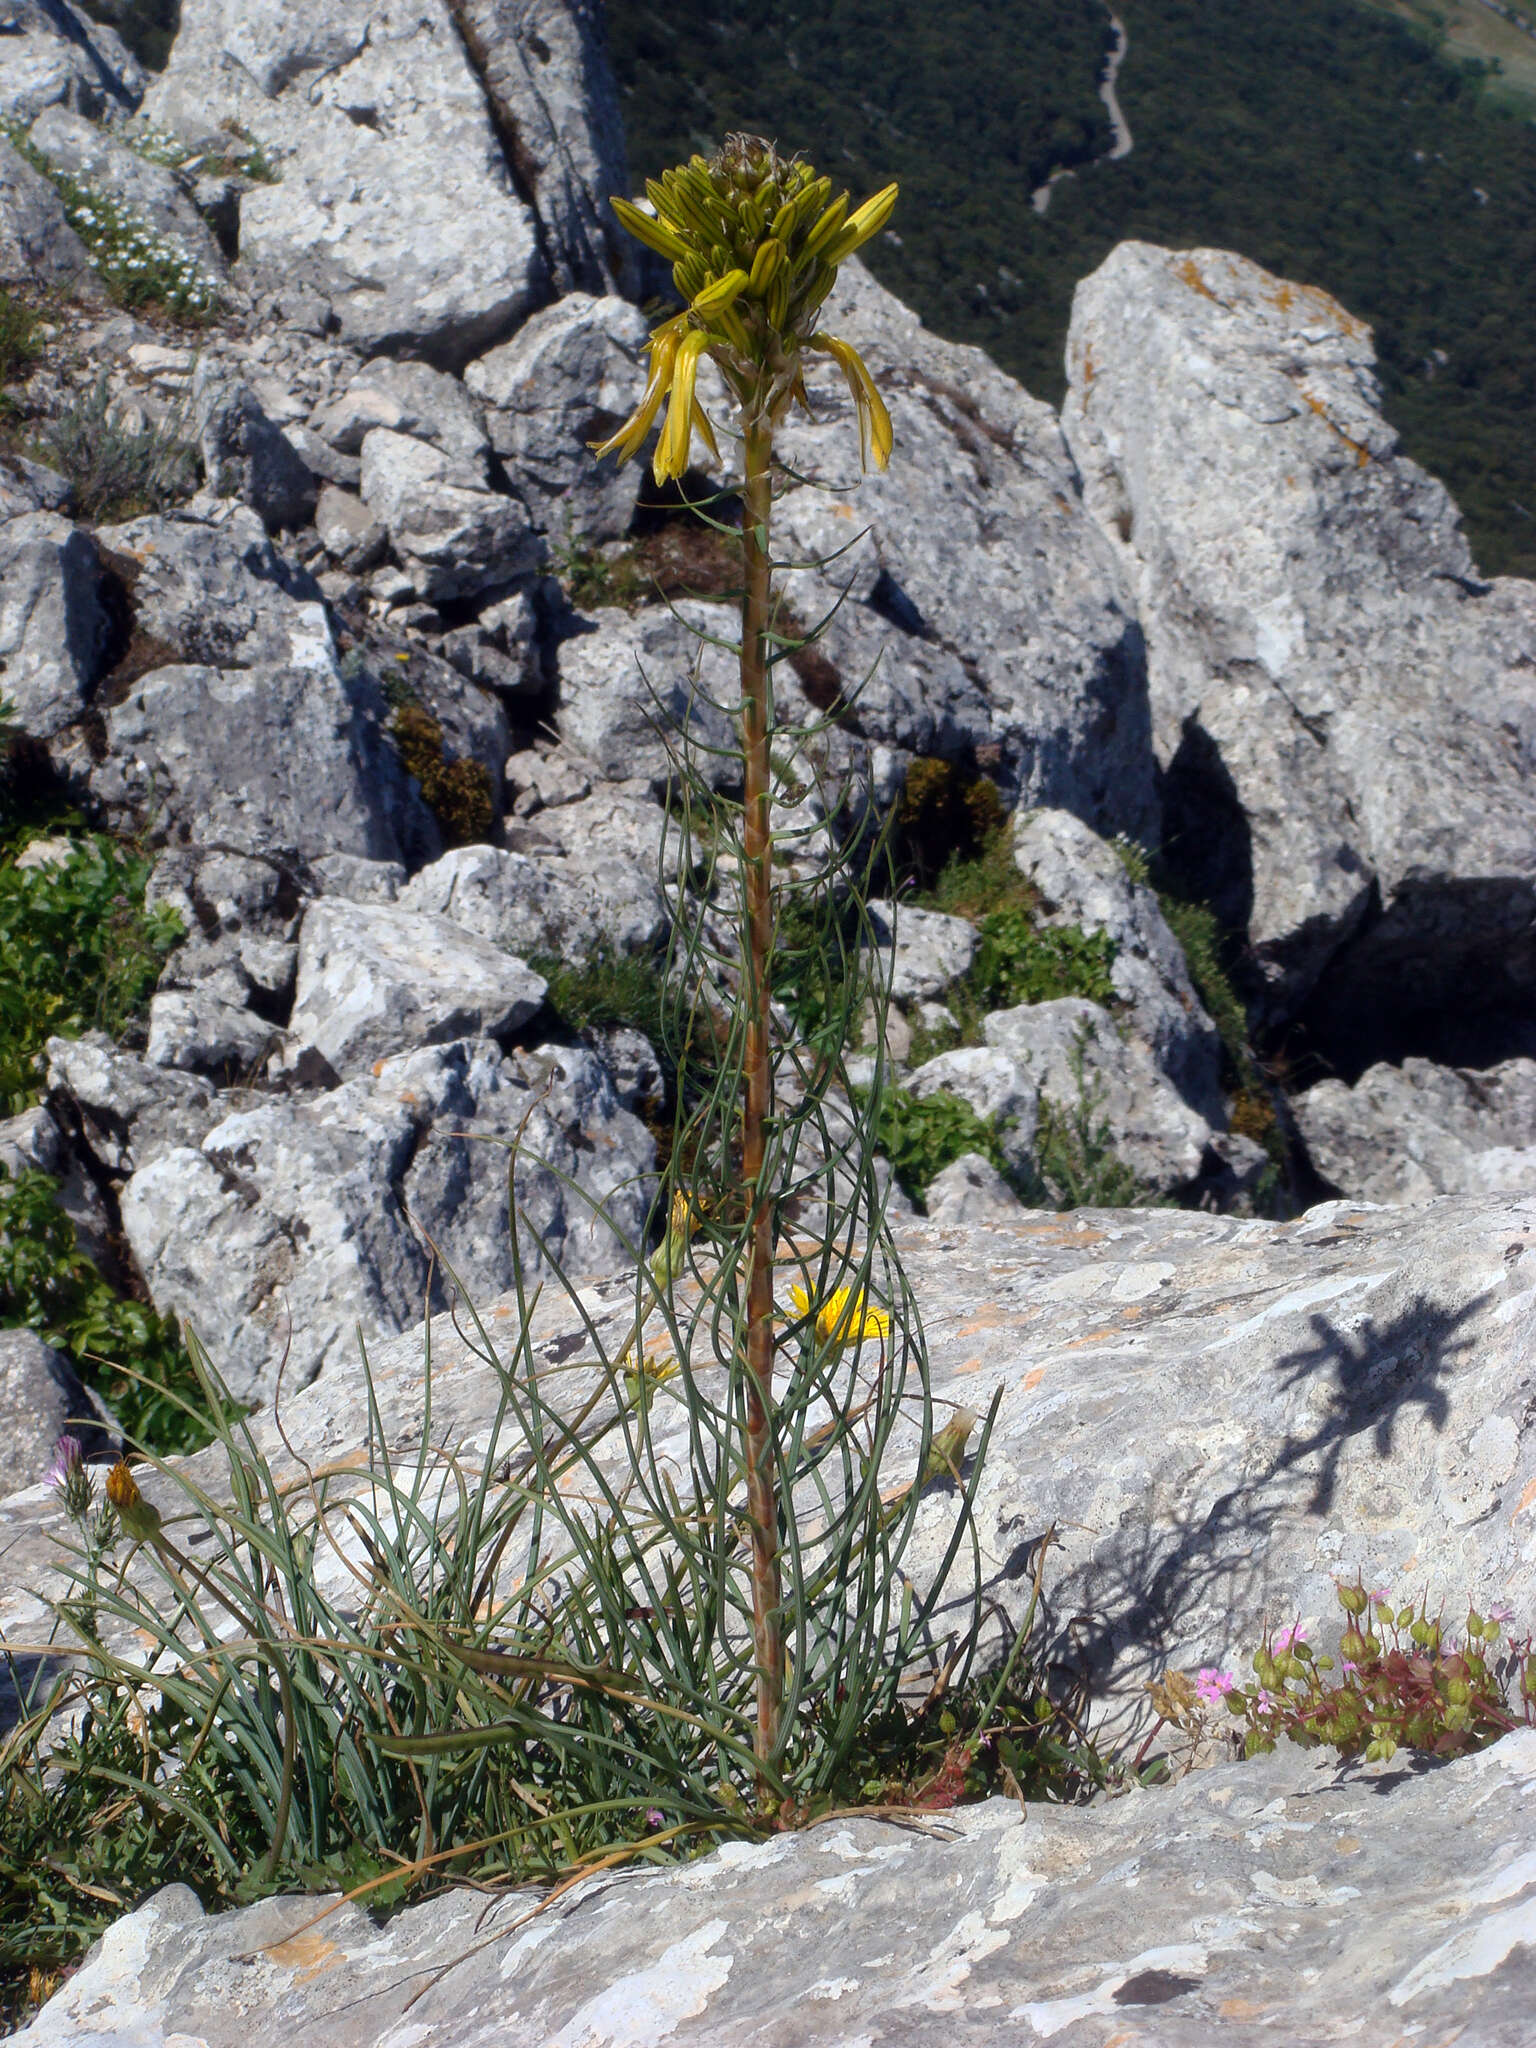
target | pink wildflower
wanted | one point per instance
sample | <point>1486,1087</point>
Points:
<point>654,1817</point>
<point>1213,1686</point>
<point>1288,1638</point>
<point>1501,1614</point>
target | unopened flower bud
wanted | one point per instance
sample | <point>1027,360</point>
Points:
<point>139,1520</point>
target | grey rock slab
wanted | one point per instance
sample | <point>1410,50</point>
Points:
<point>348,530</point>
<point>54,624</point>
<point>1403,1134</point>
<point>127,1111</point>
<point>930,951</point>
<point>585,879</point>
<point>630,676</point>
<point>27,486</point>
<point>56,55</point>
<point>99,159</point>
<point>567,378</point>
<point>453,536</point>
<point>971,1190</point>
<point>37,243</point>
<point>1083,882</point>
<point>1072,1052</point>
<point>1000,616</point>
<point>246,455</point>
<point>394,208</point>
<point>201,1030</point>
<point>1341,703</point>
<point>546,72</point>
<point>301,1220</point>
<point>41,1397</point>
<point>407,398</point>
<point>379,978</point>
<point>1282,1898</point>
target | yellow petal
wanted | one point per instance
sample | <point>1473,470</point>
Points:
<point>717,296</point>
<point>671,458</point>
<point>875,436</point>
<point>629,438</point>
<point>869,220</point>
<point>658,234</point>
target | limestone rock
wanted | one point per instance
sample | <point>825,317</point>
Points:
<point>376,979</point>
<point>27,486</point>
<point>394,207</point>
<point>349,530</point>
<point>303,1219</point>
<point>247,456</point>
<point>628,676</point>
<point>452,535</point>
<point>546,73</point>
<point>567,378</point>
<point>1402,1134</point>
<point>41,1397</point>
<point>995,1086</point>
<point>971,1190</point>
<point>1083,882</point>
<point>407,398</point>
<point>1341,704</point>
<point>128,1111</point>
<point>56,55</point>
<point>53,622</point>
<point>931,951</point>
<point>37,243</point>
<point>98,159</point>
<point>1001,619</point>
<point>204,1031</point>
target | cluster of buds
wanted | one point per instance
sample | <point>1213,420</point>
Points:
<point>754,240</point>
<point>70,1478</point>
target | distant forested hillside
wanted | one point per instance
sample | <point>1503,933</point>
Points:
<point>1327,142</point>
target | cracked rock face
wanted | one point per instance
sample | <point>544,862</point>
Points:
<point>1347,704</point>
<point>395,209</point>
<point>57,56</point>
<point>1402,1134</point>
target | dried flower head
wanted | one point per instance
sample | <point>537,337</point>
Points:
<point>754,240</point>
<point>140,1521</point>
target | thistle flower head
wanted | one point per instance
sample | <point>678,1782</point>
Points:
<point>69,1478</point>
<point>754,240</point>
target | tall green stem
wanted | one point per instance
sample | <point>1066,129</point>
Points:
<point>757,1103</point>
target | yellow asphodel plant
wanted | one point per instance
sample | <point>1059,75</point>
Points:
<point>754,240</point>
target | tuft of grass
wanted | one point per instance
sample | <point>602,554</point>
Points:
<point>78,951</point>
<point>607,989</point>
<point>118,471</point>
<point>20,345</point>
<point>133,1357</point>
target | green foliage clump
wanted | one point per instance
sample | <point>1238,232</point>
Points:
<point>458,793</point>
<point>1401,1683</point>
<point>78,951</point>
<point>921,1135</point>
<point>605,989</point>
<point>19,343</point>
<point>949,837</point>
<point>118,471</point>
<point>1019,961</point>
<point>133,1357</point>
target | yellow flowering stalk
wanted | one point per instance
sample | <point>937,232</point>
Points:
<point>844,1318</point>
<point>754,240</point>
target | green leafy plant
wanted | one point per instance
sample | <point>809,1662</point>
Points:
<point>78,951</point>
<point>119,470</point>
<point>1019,961</point>
<point>921,1135</point>
<point>1400,1682</point>
<point>133,1357</point>
<point>20,345</point>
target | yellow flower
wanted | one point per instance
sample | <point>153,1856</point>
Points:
<point>140,1521</point>
<point>754,240</point>
<point>844,1318</point>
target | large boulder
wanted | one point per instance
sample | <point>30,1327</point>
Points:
<point>394,209</point>
<point>1345,710</point>
<point>1402,1134</point>
<point>253,735</point>
<point>1084,882</point>
<point>452,535</point>
<point>299,1221</point>
<point>1001,621</point>
<point>544,65</point>
<point>41,1397</point>
<point>631,682</point>
<point>375,978</point>
<point>124,1111</point>
<point>54,624</point>
<point>567,379</point>
<point>57,56</point>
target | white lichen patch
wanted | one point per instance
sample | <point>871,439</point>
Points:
<point>648,2006</point>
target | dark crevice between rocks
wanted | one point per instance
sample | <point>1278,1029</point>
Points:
<point>1207,848</point>
<point>129,651</point>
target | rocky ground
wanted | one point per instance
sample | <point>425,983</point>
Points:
<point>359,643</point>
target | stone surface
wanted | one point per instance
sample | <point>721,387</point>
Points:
<point>452,536</point>
<point>204,1031</point>
<point>53,622</point>
<point>349,530</point>
<point>1343,707</point>
<point>1402,1134</point>
<point>40,1398</point>
<point>544,65</point>
<point>127,1111</point>
<point>299,1221</point>
<point>375,978</point>
<point>97,158</point>
<point>568,377</point>
<point>247,456</point>
<point>394,212</point>
<point>971,1190</point>
<point>254,735</point>
<point>626,674</point>
<point>1083,882</point>
<point>37,243</point>
<point>56,55</point>
<point>406,398</point>
<point>1276,1899</point>
<point>931,951</point>
<point>1000,617</point>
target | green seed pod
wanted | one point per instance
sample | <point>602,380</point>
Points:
<point>1404,1616</point>
<point>1352,1644</point>
<point>1420,1633</point>
<point>1353,1599</point>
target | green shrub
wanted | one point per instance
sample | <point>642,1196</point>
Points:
<point>605,989</point>
<point>133,1357</point>
<point>118,471</point>
<point>78,951</point>
<point>19,343</point>
<point>921,1135</point>
<point>1019,961</point>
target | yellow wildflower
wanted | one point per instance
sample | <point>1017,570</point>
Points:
<point>844,1318</point>
<point>139,1520</point>
<point>754,241</point>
